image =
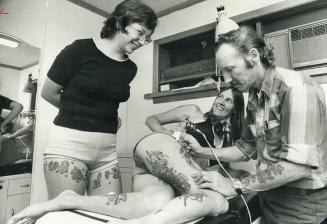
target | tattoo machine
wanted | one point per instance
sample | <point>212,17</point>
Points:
<point>192,126</point>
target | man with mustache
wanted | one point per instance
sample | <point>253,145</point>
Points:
<point>285,130</point>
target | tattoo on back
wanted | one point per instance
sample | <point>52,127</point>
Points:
<point>115,199</point>
<point>159,167</point>
<point>194,196</point>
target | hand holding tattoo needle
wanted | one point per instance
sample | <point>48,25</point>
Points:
<point>214,181</point>
<point>190,143</point>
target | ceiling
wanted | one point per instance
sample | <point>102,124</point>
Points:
<point>19,58</point>
<point>161,7</point>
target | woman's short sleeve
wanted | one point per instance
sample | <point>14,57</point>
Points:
<point>66,64</point>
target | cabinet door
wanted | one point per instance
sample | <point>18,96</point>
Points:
<point>19,186</point>
<point>3,198</point>
<point>16,203</point>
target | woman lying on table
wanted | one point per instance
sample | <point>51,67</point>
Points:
<point>163,185</point>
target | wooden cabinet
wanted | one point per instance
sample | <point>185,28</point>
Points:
<point>14,195</point>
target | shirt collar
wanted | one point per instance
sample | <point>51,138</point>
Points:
<point>266,86</point>
<point>266,89</point>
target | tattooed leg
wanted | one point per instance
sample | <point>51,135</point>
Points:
<point>64,173</point>
<point>162,156</point>
<point>152,196</point>
<point>183,209</point>
<point>104,179</point>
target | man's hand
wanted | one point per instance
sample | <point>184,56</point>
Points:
<point>191,144</point>
<point>214,181</point>
<point>29,214</point>
<point>2,129</point>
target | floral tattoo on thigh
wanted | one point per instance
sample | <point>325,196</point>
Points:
<point>159,167</point>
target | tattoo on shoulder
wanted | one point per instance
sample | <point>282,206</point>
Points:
<point>159,167</point>
<point>194,196</point>
<point>264,176</point>
<point>115,199</point>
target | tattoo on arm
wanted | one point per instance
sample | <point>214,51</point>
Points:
<point>264,176</point>
<point>115,199</point>
<point>194,196</point>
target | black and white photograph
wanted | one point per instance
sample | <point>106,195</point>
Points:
<point>163,111</point>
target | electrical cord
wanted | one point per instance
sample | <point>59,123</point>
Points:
<point>192,126</point>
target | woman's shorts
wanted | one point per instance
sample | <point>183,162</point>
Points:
<point>95,149</point>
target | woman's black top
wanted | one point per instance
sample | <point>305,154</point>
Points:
<point>206,127</point>
<point>93,86</point>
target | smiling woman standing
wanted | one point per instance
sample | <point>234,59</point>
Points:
<point>87,81</point>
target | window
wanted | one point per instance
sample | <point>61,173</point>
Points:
<point>183,60</point>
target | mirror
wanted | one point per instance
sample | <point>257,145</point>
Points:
<point>19,72</point>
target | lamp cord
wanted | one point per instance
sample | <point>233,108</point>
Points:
<point>191,125</point>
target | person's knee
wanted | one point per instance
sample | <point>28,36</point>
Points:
<point>157,197</point>
<point>218,203</point>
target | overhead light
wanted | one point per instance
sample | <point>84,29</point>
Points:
<point>8,41</point>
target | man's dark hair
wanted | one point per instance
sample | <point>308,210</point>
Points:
<point>244,39</point>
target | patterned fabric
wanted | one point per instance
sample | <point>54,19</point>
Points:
<point>208,129</point>
<point>288,122</point>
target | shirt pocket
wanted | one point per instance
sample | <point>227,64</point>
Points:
<point>273,137</point>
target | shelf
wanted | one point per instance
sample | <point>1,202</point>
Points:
<point>184,94</point>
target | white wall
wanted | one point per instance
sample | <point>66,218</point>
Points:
<point>65,22</point>
<point>9,82</point>
<point>12,83</point>
<point>25,20</point>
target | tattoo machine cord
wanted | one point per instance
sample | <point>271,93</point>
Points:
<point>191,125</point>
